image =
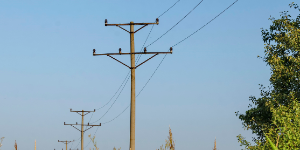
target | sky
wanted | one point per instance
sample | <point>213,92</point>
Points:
<point>47,67</point>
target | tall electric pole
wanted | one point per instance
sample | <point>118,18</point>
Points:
<point>82,124</point>
<point>132,68</point>
<point>66,142</point>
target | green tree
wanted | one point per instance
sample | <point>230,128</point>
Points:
<point>276,112</point>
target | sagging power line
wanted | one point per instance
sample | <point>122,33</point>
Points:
<point>83,113</point>
<point>166,55</point>
<point>132,68</point>
<point>162,59</point>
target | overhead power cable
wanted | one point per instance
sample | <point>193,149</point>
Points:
<point>136,62</point>
<point>128,75</point>
<point>166,55</point>
<point>205,24</point>
<point>168,9</point>
<point>175,24</point>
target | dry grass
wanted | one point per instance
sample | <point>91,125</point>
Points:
<point>170,143</point>
<point>1,141</point>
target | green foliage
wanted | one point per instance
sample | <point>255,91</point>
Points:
<point>286,121</point>
<point>276,112</point>
<point>271,143</point>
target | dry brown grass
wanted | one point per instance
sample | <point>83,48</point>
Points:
<point>170,143</point>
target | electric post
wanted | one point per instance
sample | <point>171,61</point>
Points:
<point>66,142</point>
<point>82,124</point>
<point>132,68</point>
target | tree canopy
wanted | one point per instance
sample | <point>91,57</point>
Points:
<point>276,112</point>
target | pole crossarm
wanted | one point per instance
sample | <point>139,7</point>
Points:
<point>65,141</point>
<point>140,53</point>
<point>83,124</point>
<point>81,110</point>
<point>126,24</point>
<point>132,68</point>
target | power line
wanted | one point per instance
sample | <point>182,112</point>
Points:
<point>175,24</point>
<point>136,62</point>
<point>152,28</point>
<point>205,24</point>
<point>139,55</point>
<point>166,55</point>
<point>140,50</point>
<point>157,40</point>
<point>168,9</point>
<point>127,76</point>
<point>112,103</point>
<point>139,92</point>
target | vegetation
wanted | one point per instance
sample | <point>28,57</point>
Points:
<point>16,146</point>
<point>116,149</point>
<point>170,143</point>
<point>94,142</point>
<point>1,139</point>
<point>275,115</point>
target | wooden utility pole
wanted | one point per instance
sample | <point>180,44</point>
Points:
<point>82,124</point>
<point>66,142</point>
<point>132,68</point>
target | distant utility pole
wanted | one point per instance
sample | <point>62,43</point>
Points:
<point>66,142</point>
<point>82,124</point>
<point>132,67</point>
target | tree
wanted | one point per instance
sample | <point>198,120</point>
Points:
<point>276,112</point>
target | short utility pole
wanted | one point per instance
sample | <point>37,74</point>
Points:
<point>66,142</point>
<point>132,68</point>
<point>82,124</point>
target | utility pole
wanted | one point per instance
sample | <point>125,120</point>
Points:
<point>66,142</point>
<point>132,68</point>
<point>83,113</point>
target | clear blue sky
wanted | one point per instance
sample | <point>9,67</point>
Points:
<point>47,67</point>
